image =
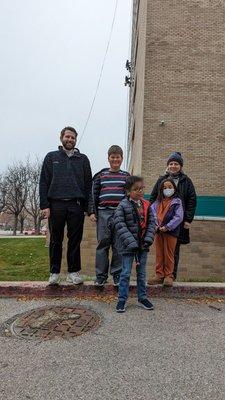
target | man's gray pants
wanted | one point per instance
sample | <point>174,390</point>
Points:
<point>106,239</point>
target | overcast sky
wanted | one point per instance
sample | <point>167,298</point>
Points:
<point>51,56</point>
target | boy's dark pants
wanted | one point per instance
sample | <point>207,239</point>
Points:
<point>71,213</point>
<point>106,239</point>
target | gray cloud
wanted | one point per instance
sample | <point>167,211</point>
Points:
<point>51,54</point>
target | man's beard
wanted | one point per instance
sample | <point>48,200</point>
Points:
<point>68,145</point>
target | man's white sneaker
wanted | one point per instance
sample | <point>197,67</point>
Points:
<point>74,277</point>
<point>54,279</point>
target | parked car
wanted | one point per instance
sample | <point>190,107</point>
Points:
<point>29,232</point>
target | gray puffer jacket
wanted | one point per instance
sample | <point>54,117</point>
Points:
<point>128,229</point>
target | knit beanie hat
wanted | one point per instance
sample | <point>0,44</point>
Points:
<point>176,156</point>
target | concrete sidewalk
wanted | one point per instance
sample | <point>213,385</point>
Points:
<point>41,289</point>
<point>175,352</point>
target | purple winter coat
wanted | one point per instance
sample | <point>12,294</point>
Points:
<point>173,217</point>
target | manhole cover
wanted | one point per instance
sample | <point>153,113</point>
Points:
<point>48,323</point>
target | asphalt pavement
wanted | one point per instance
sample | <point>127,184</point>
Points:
<point>176,352</point>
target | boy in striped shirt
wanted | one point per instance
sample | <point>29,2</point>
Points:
<point>108,191</point>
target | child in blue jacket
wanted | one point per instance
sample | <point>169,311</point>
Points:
<point>135,229</point>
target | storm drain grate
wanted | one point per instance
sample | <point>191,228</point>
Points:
<point>51,322</point>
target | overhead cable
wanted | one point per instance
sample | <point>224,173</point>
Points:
<point>100,75</point>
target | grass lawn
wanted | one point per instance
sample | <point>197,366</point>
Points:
<point>23,259</point>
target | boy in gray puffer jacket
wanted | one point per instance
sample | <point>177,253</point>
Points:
<point>135,230</point>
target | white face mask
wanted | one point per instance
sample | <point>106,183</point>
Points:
<point>168,192</point>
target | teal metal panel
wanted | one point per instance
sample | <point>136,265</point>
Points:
<point>211,206</point>
<point>208,206</point>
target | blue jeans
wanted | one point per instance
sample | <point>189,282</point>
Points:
<point>127,261</point>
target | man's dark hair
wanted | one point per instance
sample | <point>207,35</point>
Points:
<point>67,128</point>
<point>131,180</point>
<point>115,150</point>
<point>160,196</point>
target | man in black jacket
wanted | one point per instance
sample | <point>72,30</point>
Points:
<point>187,194</point>
<point>65,194</point>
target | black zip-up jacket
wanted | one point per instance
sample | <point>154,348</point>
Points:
<point>127,228</point>
<point>186,192</point>
<point>64,177</point>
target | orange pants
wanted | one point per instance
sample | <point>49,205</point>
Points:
<point>165,246</point>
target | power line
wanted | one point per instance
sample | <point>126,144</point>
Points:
<point>100,75</point>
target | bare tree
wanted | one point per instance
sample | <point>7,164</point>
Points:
<point>32,204</point>
<point>16,189</point>
<point>2,192</point>
<point>22,218</point>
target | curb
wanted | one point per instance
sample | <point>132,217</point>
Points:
<point>41,289</point>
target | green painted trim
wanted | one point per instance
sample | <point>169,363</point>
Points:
<point>209,206</point>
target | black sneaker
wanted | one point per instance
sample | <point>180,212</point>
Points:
<point>120,307</point>
<point>145,303</point>
<point>100,282</point>
<point>116,279</point>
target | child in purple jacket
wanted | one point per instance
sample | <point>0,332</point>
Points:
<point>168,211</point>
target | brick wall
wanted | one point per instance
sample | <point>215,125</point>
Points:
<point>184,85</point>
<point>179,75</point>
<point>88,248</point>
<point>203,259</point>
